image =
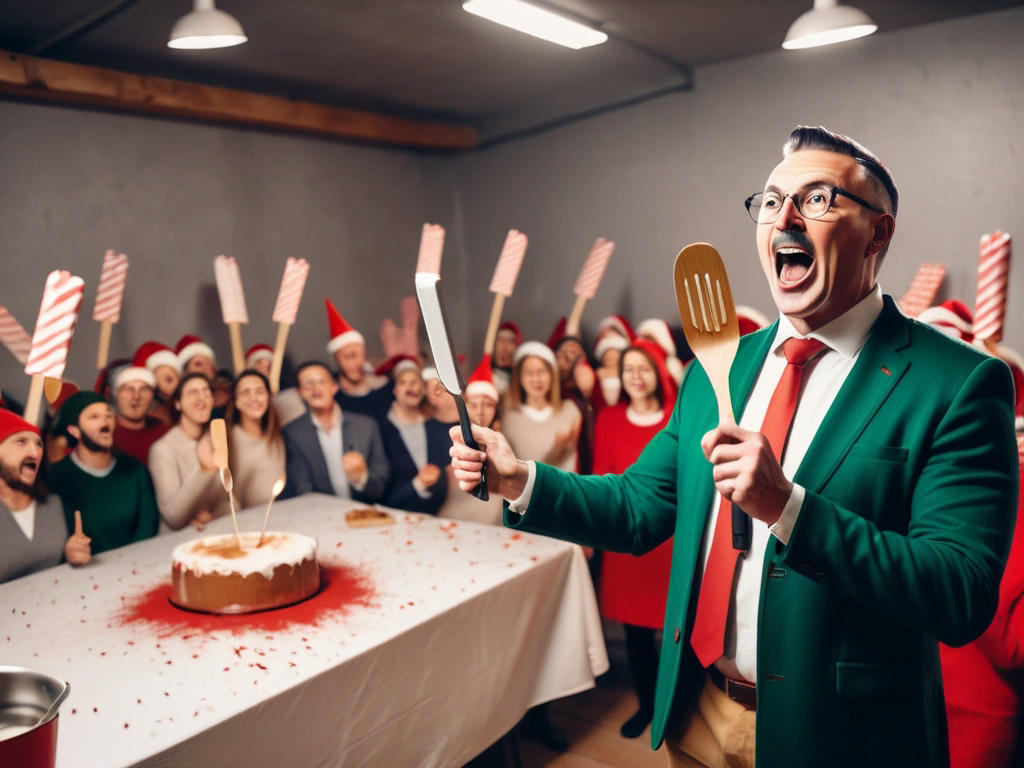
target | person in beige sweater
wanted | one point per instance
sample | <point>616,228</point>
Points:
<point>184,477</point>
<point>256,454</point>
<point>538,424</point>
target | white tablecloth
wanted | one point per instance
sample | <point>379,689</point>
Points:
<point>459,629</point>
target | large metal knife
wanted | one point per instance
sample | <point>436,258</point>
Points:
<point>428,291</point>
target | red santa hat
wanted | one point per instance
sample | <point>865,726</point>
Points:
<point>535,349</point>
<point>67,389</point>
<point>11,423</point>
<point>669,386</point>
<point>258,352</point>
<point>482,381</point>
<point>618,324</point>
<point>609,340</point>
<point>657,330</point>
<point>342,334</point>
<point>189,346</point>
<point>396,364</point>
<point>109,373</point>
<point>557,334</point>
<point>952,317</point>
<point>511,329</point>
<point>153,354</point>
<point>133,373</point>
<point>750,320</point>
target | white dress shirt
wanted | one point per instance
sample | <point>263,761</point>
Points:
<point>330,444</point>
<point>822,379</point>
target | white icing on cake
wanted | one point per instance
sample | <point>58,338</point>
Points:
<point>278,549</point>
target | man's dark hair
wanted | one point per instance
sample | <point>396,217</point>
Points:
<point>811,137</point>
<point>311,364</point>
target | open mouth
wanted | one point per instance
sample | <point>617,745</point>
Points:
<point>792,265</point>
<point>30,465</point>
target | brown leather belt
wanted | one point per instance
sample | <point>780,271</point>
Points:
<point>740,691</point>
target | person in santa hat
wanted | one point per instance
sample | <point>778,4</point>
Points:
<point>482,404</point>
<point>161,361</point>
<point>113,493</point>
<point>440,402</point>
<point>329,450</point>
<point>416,446</point>
<point>614,334</point>
<point>508,338</point>
<point>359,391</point>
<point>577,382</point>
<point>984,690</point>
<point>196,356</point>
<point>657,330</point>
<point>136,429</point>
<point>33,533</point>
<point>634,589</point>
<point>260,357</point>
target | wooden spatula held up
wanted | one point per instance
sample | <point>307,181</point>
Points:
<point>709,322</point>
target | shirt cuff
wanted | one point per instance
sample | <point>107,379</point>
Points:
<point>421,490</point>
<point>360,483</point>
<point>782,528</point>
<point>520,504</point>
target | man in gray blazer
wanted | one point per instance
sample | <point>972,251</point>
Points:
<point>331,452</point>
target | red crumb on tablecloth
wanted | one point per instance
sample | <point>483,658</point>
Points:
<point>342,589</point>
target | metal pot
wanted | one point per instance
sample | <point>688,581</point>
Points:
<point>28,717</point>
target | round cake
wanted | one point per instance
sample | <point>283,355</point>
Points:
<point>214,575</point>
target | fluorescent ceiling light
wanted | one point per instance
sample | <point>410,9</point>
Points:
<point>537,22</point>
<point>828,23</point>
<point>206,27</point>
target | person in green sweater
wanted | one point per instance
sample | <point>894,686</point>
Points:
<point>114,493</point>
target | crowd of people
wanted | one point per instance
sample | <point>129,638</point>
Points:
<point>135,458</point>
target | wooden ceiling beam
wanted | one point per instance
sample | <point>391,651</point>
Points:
<point>51,80</point>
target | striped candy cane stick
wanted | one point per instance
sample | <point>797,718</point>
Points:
<point>232,305</point>
<point>431,246</point>
<point>14,337</point>
<point>588,281</point>
<point>55,326</point>
<point>506,271</point>
<point>993,274</point>
<point>109,294</point>
<point>293,281</point>
<point>923,289</point>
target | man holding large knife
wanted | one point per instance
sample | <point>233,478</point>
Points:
<point>882,528</point>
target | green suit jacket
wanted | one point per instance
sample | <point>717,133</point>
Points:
<point>911,496</point>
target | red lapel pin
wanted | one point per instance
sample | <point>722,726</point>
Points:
<point>886,371</point>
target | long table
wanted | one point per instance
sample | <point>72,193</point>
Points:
<point>429,641</point>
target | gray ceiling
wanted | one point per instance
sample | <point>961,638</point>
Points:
<point>429,58</point>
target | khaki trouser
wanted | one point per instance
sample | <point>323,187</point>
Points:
<point>719,733</point>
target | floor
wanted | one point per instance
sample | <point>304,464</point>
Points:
<point>590,721</point>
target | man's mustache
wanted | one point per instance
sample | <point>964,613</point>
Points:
<point>792,238</point>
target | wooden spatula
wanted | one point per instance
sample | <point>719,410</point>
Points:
<point>713,333</point>
<point>709,316</point>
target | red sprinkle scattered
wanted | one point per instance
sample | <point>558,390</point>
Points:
<point>342,589</point>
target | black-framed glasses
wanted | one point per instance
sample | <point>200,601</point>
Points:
<point>812,203</point>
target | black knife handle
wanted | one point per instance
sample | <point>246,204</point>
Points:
<point>741,529</point>
<point>467,437</point>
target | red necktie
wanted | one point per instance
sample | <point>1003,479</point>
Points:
<point>708,638</point>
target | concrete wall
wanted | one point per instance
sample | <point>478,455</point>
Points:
<point>943,105</point>
<point>172,195</point>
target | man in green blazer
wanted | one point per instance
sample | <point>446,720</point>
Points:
<point>883,530</point>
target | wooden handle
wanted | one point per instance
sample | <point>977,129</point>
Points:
<point>237,354</point>
<point>492,325</point>
<point>219,438</point>
<point>103,353</point>
<point>572,326</point>
<point>52,389</point>
<point>35,399</point>
<point>275,366</point>
<point>78,524</point>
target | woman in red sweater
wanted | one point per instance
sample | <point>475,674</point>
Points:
<point>632,589</point>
